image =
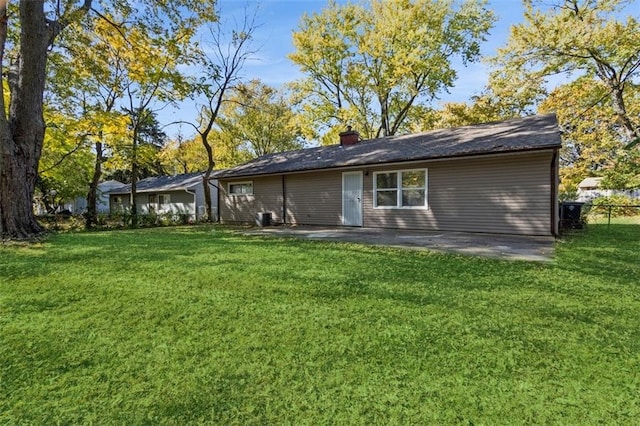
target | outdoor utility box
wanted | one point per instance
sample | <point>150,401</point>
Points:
<point>571,215</point>
<point>263,218</point>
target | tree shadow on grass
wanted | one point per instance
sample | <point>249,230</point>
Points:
<point>112,250</point>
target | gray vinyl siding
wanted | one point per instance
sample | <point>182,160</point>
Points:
<point>181,202</point>
<point>508,194</point>
<point>314,198</point>
<point>189,201</point>
<point>500,194</point>
<point>266,197</point>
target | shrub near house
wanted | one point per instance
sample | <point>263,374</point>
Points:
<point>616,205</point>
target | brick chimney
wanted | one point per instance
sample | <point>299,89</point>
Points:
<point>350,137</point>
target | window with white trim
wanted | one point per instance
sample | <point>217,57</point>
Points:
<point>403,189</point>
<point>164,199</point>
<point>241,188</point>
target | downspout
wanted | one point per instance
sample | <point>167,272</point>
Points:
<point>554,194</point>
<point>284,201</point>
<point>217,200</point>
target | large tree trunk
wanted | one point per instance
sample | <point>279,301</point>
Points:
<point>22,140</point>
<point>22,132</point>
<point>92,197</point>
<point>207,195</point>
<point>134,179</point>
<point>207,175</point>
<point>620,110</point>
<point>17,184</point>
<point>5,135</point>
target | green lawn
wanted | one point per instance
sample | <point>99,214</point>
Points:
<point>201,325</point>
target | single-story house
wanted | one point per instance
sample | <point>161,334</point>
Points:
<point>102,198</point>
<point>591,187</point>
<point>180,194</point>
<point>590,183</point>
<point>79,204</point>
<point>499,177</point>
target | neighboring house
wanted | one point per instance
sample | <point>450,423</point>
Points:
<point>588,189</point>
<point>591,188</point>
<point>102,198</point>
<point>79,205</point>
<point>180,194</point>
<point>497,177</point>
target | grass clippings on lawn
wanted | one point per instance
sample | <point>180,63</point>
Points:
<point>201,325</point>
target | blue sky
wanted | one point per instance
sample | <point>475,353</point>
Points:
<point>280,18</point>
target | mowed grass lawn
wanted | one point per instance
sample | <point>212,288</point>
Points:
<point>201,325</point>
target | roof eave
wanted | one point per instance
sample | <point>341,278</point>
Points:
<point>382,163</point>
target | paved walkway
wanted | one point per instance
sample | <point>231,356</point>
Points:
<point>513,247</point>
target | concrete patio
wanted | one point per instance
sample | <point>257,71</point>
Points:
<point>512,247</point>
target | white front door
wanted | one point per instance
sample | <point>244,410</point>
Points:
<point>352,198</point>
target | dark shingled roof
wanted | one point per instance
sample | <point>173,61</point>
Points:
<point>521,134</point>
<point>162,184</point>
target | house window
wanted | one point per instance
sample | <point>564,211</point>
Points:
<point>117,199</point>
<point>386,185</point>
<point>152,200</point>
<point>400,189</point>
<point>241,188</point>
<point>164,199</point>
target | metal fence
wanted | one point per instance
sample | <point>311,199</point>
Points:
<point>575,215</point>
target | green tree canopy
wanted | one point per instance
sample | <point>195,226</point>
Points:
<point>260,119</point>
<point>26,42</point>
<point>591,138</point>
<point>583,37</point>
<point>66,161</point>
<point>368,64</point>
<point>180,155</point>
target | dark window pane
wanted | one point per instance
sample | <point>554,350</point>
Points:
<point>241,188</point>
<point>413,197</point>
<point>387,198</point>
<point>387,180</point>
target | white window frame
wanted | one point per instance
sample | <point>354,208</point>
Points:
<point>399,189</point>
<point>245,182</point>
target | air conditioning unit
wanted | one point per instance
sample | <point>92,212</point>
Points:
<point>263,218</point>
